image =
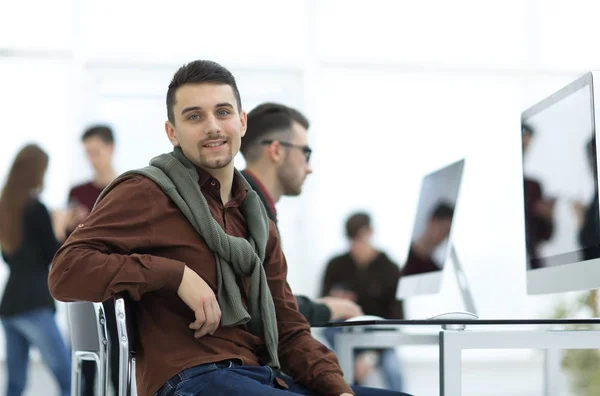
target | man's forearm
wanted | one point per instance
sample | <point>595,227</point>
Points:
<point>315,313</point>
<point>80,273</point>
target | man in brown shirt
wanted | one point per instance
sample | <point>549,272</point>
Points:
<point>138,241</point>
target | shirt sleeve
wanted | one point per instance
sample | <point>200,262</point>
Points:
<point>308,361</point>
<point>105,255</point>
<point>314,312</point>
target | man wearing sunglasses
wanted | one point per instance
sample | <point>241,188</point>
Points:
<point>277,156</point>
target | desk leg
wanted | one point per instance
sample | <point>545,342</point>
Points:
<point>345,355</point>
<point>552,372</point>
<point>450,365</point>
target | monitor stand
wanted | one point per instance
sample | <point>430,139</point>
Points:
<point>463,283</point>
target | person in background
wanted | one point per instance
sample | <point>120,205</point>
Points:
<point>539,211</point>
<point>588,219</point>
<point>99,144</point>
<point>28,236</point>
<point>277,156</point>
<point>368,277</point>
<point>420,256</point>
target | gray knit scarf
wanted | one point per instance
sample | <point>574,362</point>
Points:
<point>178,178</point>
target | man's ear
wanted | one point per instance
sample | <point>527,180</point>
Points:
<point>275,152</point>
<point>170,129</point>
<point>244,123</point>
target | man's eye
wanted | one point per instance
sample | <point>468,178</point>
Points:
<point>193,117</point>
<point>223,113</point>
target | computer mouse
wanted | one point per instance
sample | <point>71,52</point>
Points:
<point>455,316</point>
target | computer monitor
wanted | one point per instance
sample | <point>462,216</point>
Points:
<point>431,237</point>
<point>560,190</point>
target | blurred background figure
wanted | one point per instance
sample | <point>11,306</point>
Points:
<point>368,277</point>
<point>421,254</point>
<point>588,216</point>
<point>28,236</point>
<point>99,144</point>
<point>277,156</point>
<point>539,211</point>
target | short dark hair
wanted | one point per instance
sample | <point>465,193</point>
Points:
<point>526,128</point>
<point>104,132</point>
<point>357,222</point>
<point>197,72</point>
<point>265,120</point>
<point>443,211</point>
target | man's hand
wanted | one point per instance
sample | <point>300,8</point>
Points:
<point>343,293</point>
<point>60,219</point>
<point>341,308</point>
<point>197,295</point>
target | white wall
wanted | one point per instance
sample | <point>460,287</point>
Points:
<point>393,90</point>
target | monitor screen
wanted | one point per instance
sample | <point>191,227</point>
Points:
<point>429,245</point>
<point>559,178</point>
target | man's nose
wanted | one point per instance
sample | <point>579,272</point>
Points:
<point>212,124</point>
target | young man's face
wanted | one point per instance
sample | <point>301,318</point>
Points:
<point>294,169</point>
<point>98,153</point>
<point>208,126</point>
<point>438,230</point>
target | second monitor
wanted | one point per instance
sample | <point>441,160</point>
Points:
<point>430,241</point>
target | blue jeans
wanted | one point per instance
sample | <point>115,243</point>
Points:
<point>388,360</point>
<point>35,328</point>
<point>232,379</point>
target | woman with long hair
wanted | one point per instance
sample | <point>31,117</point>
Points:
<point>28,242</point>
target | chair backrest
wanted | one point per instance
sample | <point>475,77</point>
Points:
<point>87,326</point>
<point>89,342</point>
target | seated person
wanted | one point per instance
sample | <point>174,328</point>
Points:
<point>420,256</point>
<point>588,216</point>
<point>190,242</point>
<point>539,211</point>
<point>277,156</point>
<point>367,276</point>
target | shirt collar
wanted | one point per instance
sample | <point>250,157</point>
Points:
<point>263,191</point>
<point>212,186</point>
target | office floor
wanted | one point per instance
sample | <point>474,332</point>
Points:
<point>479,379</point>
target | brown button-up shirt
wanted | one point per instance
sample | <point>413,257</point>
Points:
<point>137,241</point>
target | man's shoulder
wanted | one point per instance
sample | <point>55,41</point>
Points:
<point>131,187</point>
<point>135,181</point>
<point>341,260</point>
<point>386,261</point>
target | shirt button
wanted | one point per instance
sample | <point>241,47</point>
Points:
<point>213,183</point>
<point>80,225</point>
